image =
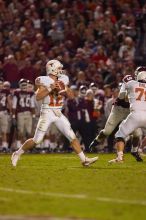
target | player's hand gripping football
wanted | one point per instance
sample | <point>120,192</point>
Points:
<point>59,86</point>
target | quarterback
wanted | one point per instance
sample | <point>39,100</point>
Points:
<point>51,89</point>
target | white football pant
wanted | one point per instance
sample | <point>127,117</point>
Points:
<point>49,116</point>
<point>136,119</point>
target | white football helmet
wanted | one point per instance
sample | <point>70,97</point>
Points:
<point>139,69</point>
<point>141,76</point>
<point>54,67</point>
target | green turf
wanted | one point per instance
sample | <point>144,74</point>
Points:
<point>102,192</point>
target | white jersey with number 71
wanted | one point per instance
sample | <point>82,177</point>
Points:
<point>136,92</point>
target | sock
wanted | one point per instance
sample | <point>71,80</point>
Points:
<point>82,156</point>
<point>20,151</point>
<point>134,149</point>
<point>120,155</point>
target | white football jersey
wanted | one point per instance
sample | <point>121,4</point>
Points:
<point>136,92</point>
<point>52,101</point>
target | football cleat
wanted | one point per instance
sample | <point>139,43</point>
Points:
<point>89,161</point>
<point>116,160</point>
<point>137,156</point>
<point>14,158</point>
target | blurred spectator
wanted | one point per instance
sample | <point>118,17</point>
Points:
<point>55,33</point>
<point>1,70</point>
<point>11,71</point>
<point>81,79</point>
<point>91,31</point>
<point>128,48</point>
<point>28,71</point>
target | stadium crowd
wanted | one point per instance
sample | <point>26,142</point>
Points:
<point>97,41</point>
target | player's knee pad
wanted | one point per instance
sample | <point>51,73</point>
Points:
<point>117,139</point>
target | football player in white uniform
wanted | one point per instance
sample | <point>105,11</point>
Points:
<point>136,92</point>
<point>50,90</point>
<point>119,112</point>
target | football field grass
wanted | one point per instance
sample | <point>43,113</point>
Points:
<point>56,185</point>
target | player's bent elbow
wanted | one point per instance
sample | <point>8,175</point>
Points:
<point>38,98</point>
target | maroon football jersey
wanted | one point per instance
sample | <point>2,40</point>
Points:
<point>4,93</point>
<point>23,100</point>
<point>90,108</point>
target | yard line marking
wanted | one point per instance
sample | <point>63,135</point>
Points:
<point>21,217</point>
<point>122,201</point>
<point>62,195</point>
<point>76,196</point>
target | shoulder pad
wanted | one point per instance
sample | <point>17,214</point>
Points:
<point>128,78</point>
<point>64,79</point>
<point>43,81</point>
<point>38,81</point>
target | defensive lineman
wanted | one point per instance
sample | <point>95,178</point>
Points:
<point>52,101</point>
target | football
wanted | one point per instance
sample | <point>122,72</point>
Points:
<point>60,86</point>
